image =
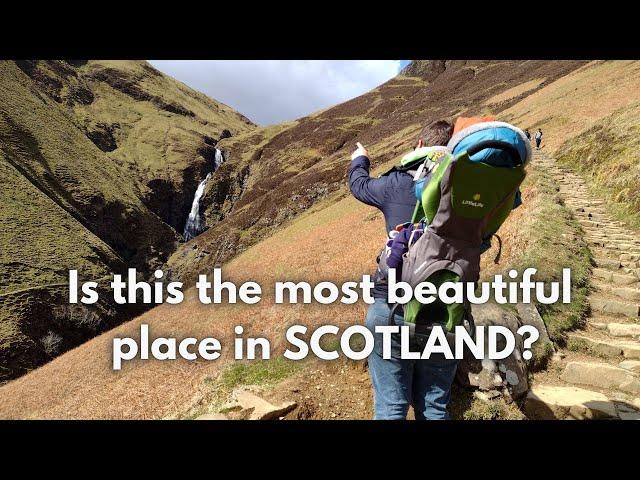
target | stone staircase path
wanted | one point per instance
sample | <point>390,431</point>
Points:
<point>603,381</point>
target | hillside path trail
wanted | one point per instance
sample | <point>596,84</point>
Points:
<point>597,374</point>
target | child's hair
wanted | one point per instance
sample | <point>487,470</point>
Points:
<point>436,133</point>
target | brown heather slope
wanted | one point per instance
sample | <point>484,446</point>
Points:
<point>591,123</point>
<point>274,173</point>
<point>99,163</point>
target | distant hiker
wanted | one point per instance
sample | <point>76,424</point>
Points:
<point>398,383</point>
<point>538,139</point>
<point>528,134</point>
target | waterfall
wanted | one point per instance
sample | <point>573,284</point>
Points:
<point>219,158</point>
<point>193,227</point>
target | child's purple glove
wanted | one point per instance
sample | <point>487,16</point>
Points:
<point>400,245</point>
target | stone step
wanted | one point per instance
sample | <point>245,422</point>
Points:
<point>586,212</point>
<point>628,294</point>
<point>601,375</point>
<point>626,247</point>
<point>599,333</point>
<point>613,307</point>
<point>629,257</point>
<point>604,319</point>
<point>607,263</point>
<point>579,194</point>
<point>586,207</point>
<point>623,329</point>
<point>632,365</point>
<point>610,238</point>
<point>605,348</point>
<point>617,278</point>
<point>608,245</point>
<point>630,348</point>
<point>595,225</point>
<point>631,271</point>
<point>625,237</point>
<point>548,402</point>
<point>601,234</point>
<point>619,247</point>
<point>627,411</point>
<point>624,258</point>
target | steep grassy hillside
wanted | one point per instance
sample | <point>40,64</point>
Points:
<point>99,164</point>
<point>158,130</point>
<point>275,173</point>
<point>575,102</point>
<point>590,122</point>
<point>608,156</point>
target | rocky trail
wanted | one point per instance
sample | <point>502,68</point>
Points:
<point>597,375</point>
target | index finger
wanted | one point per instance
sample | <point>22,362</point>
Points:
<point>359,145</point>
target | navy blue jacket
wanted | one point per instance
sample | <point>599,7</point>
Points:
<point>391,193</point>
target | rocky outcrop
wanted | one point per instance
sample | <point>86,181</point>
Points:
<point>102,135</point>
<point>246,405</point>
<point>428,69</point>
<point>547,402</point>
<point>508,376</point>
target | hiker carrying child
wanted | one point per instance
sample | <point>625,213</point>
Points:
<point>399,383</point>
<point>426,384</point>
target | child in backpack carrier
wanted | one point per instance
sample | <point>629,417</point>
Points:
<point>470,132</point>
<point>398,244</point>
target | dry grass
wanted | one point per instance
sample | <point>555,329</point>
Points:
<point>607,157</point>
<point>80,383</point>
<point>573,103</point>
<point>515,92</point>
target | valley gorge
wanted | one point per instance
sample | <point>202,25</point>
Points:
<point>100,164</point>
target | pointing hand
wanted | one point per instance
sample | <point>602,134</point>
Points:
<point>359,151</point>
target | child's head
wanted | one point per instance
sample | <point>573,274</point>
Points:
<point>437,133</point>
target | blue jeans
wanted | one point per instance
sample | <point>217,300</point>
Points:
<point>398,383</point>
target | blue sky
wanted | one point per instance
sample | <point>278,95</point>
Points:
<point>273,91</point>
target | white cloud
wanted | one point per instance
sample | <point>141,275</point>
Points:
<point>273,91</point>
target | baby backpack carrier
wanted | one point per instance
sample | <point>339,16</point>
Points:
<point>468,196</point>
<point>419,163</point>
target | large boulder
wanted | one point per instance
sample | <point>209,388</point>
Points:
<point>508,376</point>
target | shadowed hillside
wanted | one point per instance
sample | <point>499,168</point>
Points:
<point>99,162</point>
